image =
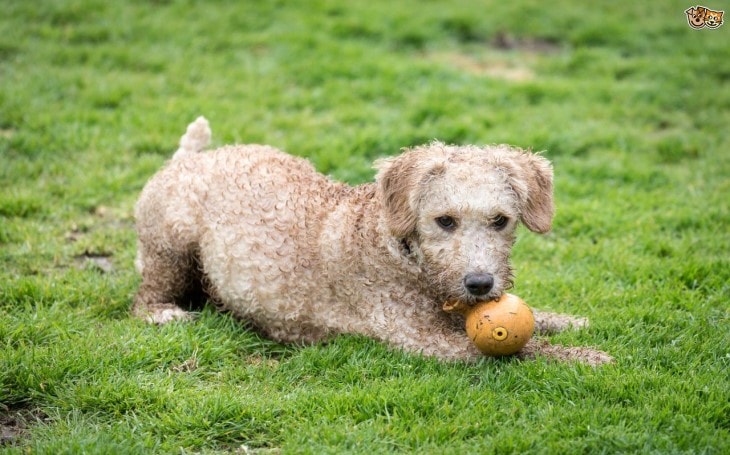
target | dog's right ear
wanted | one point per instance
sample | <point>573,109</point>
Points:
<point>398,182</point>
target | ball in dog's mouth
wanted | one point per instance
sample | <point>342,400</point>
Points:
<point>497,327</point>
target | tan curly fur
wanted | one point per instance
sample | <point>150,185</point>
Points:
<point>302,257</point>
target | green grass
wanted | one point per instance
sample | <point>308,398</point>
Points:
<point>629,103</point>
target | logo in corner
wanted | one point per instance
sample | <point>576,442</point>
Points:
<point>701,16</point>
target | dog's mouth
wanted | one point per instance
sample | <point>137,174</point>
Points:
<point>464,304</point>
<point>484,298</point>
<point>472,300</point>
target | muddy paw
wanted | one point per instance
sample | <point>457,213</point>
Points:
<point>547,323</point>
<point>543,348</point>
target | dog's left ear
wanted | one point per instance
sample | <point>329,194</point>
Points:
<point>531,178</point>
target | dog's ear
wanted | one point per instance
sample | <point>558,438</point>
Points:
<point>531,178</point>
<point>399,180</point>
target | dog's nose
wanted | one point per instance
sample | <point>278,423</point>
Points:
<point>479,283</point>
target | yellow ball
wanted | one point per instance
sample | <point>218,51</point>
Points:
<point>499,327</point>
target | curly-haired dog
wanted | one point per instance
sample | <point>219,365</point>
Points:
<point>302,257</point>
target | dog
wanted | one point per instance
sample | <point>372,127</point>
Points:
<point>302,257</point>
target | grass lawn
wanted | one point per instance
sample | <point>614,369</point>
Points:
<point>630,104</point>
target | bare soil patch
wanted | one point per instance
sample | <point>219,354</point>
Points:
<point>14,424</point>
<point>506,57</point>
<point>504,41</point>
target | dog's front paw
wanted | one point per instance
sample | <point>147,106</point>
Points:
<point>547,323</point>
<point>588,356</point>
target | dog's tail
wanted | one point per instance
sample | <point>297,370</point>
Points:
<point>195,139</point>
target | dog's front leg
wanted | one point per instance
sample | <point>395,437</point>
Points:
<point>543,348</point>
<point>444,346</point>
<point>457,346</point>
<point>547,323</point>
<point>445,340</point>
<point>434,336</point>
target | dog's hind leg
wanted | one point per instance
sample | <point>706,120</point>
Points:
<point>168,281</point>
<point>166,258</point>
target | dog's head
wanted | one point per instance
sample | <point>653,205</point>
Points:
<point>454,211</point>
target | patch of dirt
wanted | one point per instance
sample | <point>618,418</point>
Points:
<point>504,41</point>
<point>100,262</point>
<point>187,366</point>
<point>505,57</point>
<point>257,360</point>
<point>14,424</point>
<point>498,68</point>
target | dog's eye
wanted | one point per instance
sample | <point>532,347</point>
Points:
<point>500,222</point>
<point>446,222</point>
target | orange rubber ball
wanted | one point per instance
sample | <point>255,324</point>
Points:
<point>498,327</point>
